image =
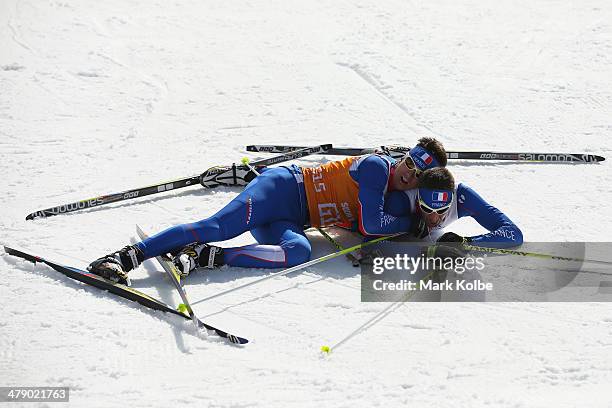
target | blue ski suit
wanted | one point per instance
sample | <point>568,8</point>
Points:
<point>274,208</point>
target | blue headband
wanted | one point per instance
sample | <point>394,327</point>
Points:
<point>435,198</point>
<point>422,158</point>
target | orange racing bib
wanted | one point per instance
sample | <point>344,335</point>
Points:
<point>331,192</point>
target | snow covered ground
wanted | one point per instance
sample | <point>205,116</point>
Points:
<point>98,97</point>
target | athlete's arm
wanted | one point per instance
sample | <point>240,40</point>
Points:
<point>503,233</point>
<point>373,176</point>
<point>397,203</point>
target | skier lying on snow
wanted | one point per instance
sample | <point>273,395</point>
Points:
<point>439,203</point>
<point>278,205</point>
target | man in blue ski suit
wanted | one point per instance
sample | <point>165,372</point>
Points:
<point>439,203</point>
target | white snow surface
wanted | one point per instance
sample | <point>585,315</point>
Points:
<point>102,96</point>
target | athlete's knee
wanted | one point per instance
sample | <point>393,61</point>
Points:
<point>297,251</point>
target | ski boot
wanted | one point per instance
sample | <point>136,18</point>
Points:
<point>115,266</point>
<point>198,255</point>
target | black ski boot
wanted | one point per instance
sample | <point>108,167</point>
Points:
<point>198,255</point>
<point>115,266</point>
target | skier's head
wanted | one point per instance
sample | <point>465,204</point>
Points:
<point>435,196</point>
<point>427,154</point>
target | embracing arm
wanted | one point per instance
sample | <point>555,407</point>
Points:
<point>373,176</point>
<point>503,233</point>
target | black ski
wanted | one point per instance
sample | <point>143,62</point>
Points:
<point>334,151</point>
<point>213,177</point>
<point>399,151</point>
<point>119,290</point>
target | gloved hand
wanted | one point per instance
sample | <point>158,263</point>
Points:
<point>446,251</point>
<point>452,237</point>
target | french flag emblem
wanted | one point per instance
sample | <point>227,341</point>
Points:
<point>439,196</point>
<point>426,158</point>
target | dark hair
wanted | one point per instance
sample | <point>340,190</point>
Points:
<point>438,178</point>
<point>435,147</point>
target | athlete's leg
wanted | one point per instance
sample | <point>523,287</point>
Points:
<point>272,196</point>
<point>281,244</point>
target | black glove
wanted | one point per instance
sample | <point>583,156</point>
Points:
<point>451,246</point>
<point>419,227</point>
<point>452,237</point>
<point>446,251</point>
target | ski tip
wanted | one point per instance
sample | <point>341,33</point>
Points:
<point>21,254</point>
<point>229,337</point>
<point>236,340</point>
<point>9,250</point>
<point>325,349</point>
<point>589,158</point>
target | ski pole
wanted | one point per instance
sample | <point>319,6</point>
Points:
<point>373,320</point>
<point>503,251</point>
<point>335,243</point>
<point>300,267</point>
<point>370,322</point>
